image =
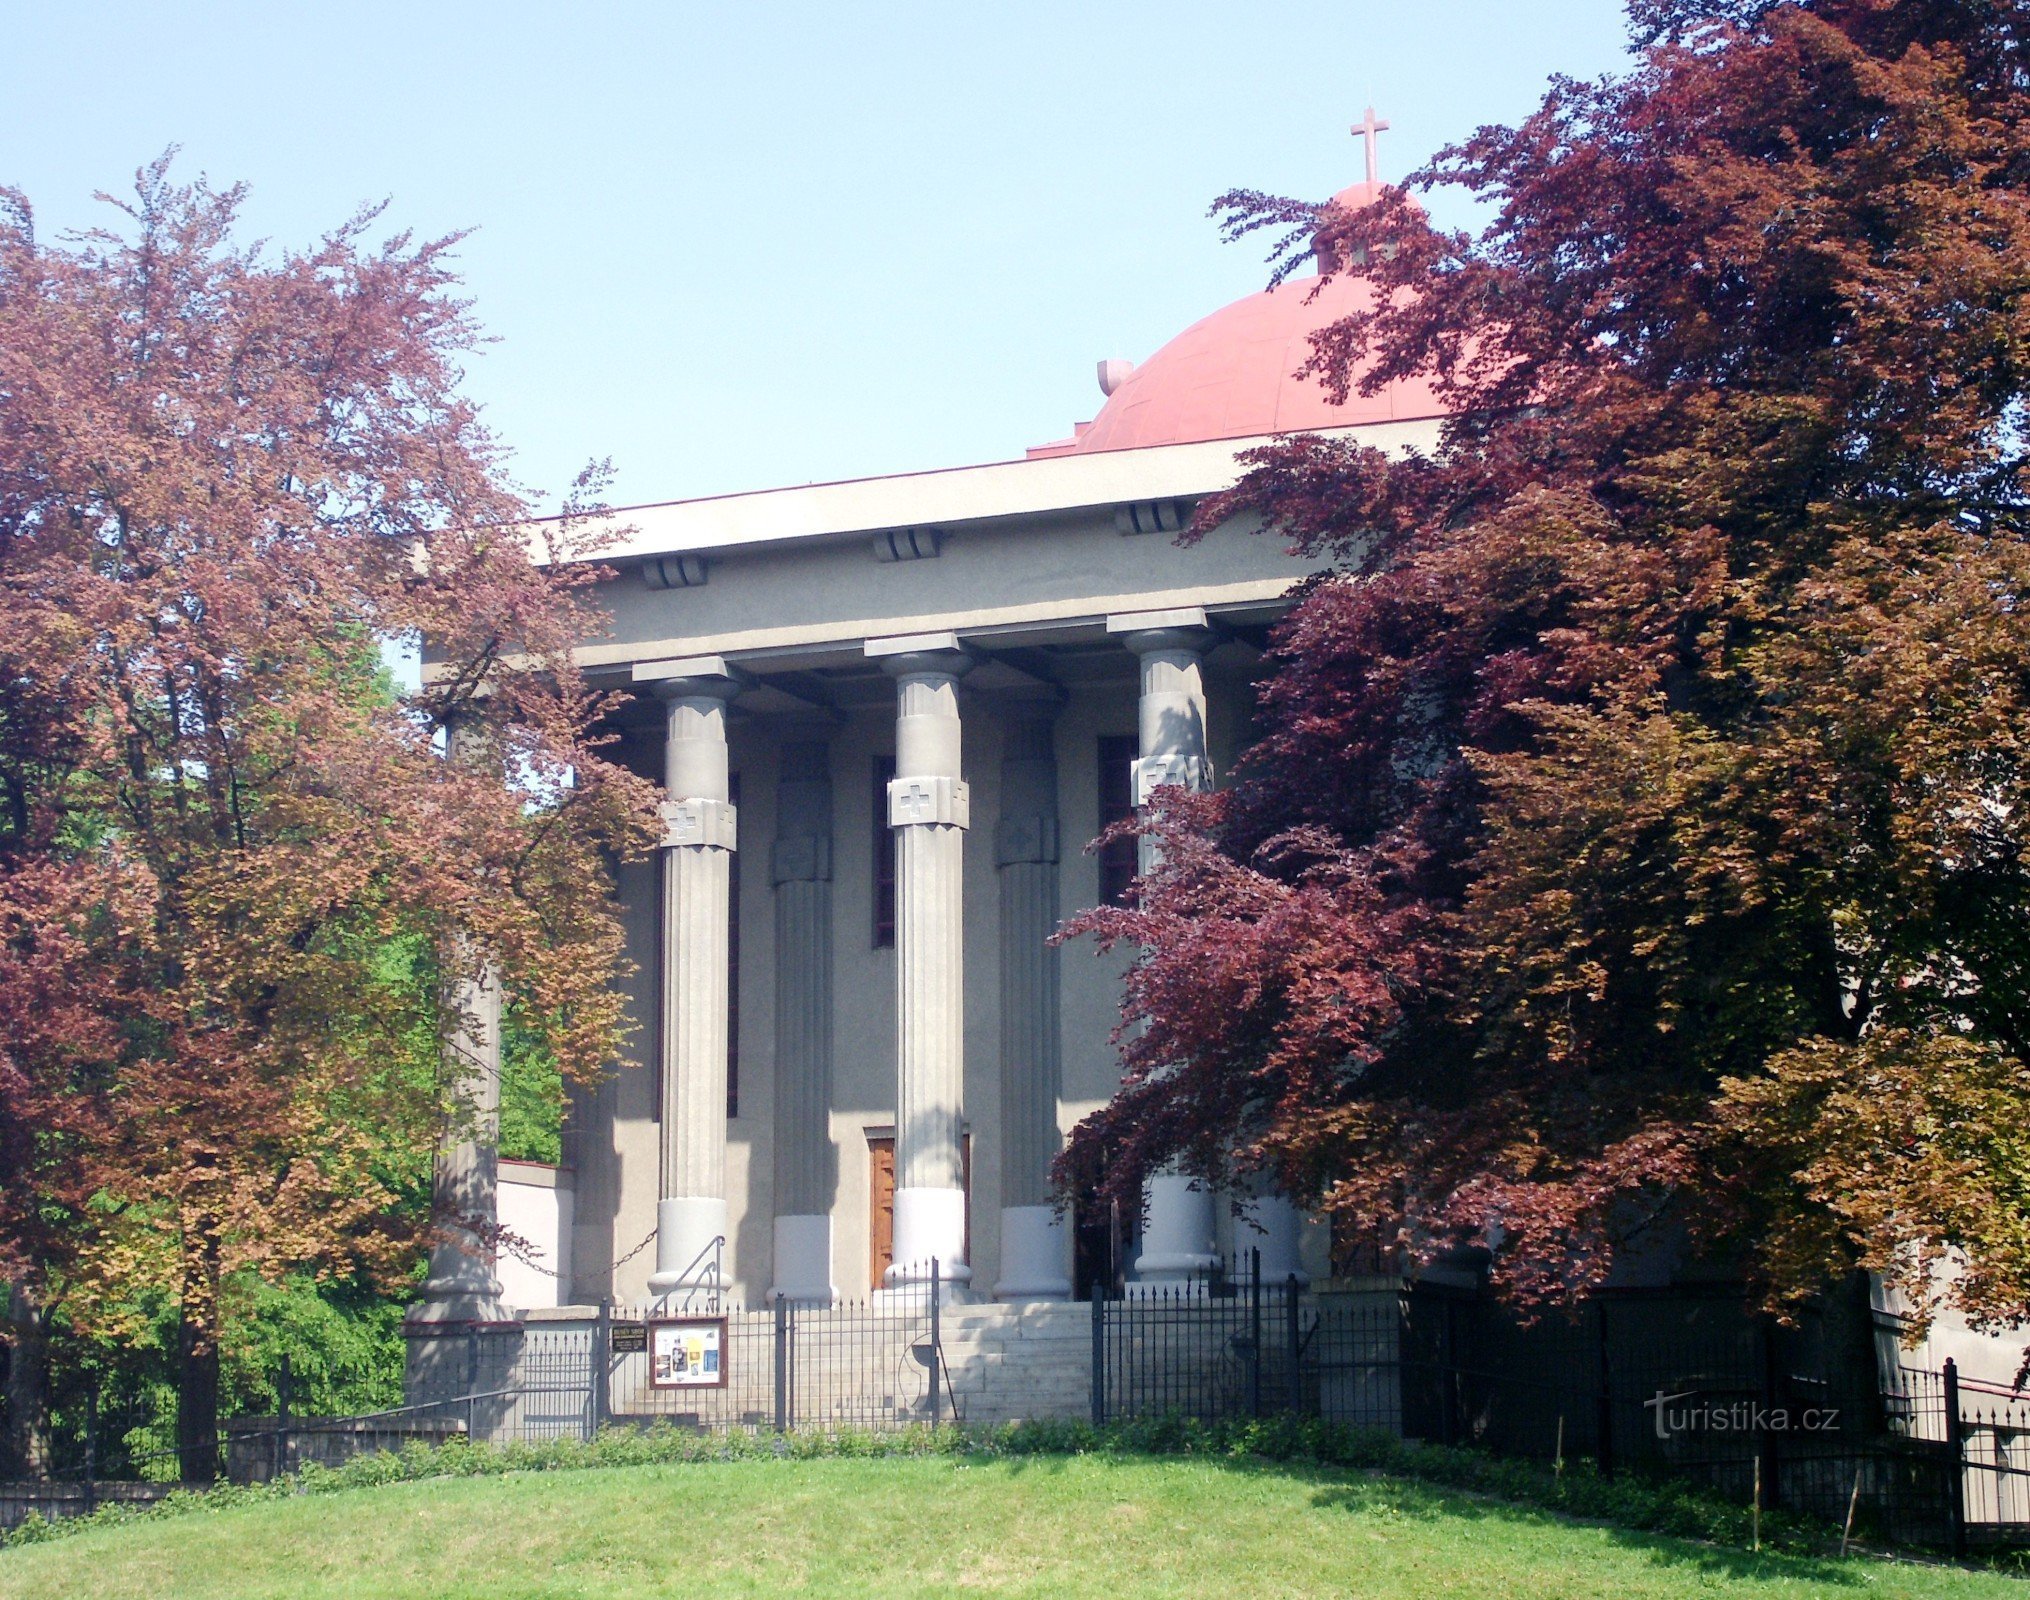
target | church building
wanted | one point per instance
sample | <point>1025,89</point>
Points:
<point>889,715</point>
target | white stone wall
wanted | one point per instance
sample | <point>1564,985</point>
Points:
<point>1992,1358</point>
<point>1006,574</point>
<point>536,1205</point>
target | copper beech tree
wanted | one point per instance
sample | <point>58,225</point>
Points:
<point>227,475</point>
<point>1637,847</point>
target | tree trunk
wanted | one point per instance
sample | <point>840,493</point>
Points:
<point>197,1386</point>
<point>24,1450</point>
<point>1862,1354</point>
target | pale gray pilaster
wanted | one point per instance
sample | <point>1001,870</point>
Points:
<point>1033,1244</point>
<point>805,1161</point>
<point>928,811</point>
<point>698,841</point>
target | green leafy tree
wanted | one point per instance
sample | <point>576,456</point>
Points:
<point>240,889</point>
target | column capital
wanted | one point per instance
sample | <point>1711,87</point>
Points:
<point>1150,773</point>
<point>921,655</point>
<point>1027,831</point>
<point>1019,840</point>
<point>800,858</point>
<point>802,852</point>
<point>693,678</point>
<point>695,694</point>
<point>1149,632</point>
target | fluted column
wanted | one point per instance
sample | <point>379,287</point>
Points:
<point>698,842</point>
<point>464,1181</point>
<point>1033,1245</point>
<point>801,867</point>
<point>1177,1239</point>
<point>928,812</point>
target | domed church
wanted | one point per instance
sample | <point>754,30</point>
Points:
<point>888,715</point>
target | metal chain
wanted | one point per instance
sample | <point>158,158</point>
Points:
<point>552,1272</point>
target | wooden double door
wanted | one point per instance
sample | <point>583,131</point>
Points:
<point>881,1202</point>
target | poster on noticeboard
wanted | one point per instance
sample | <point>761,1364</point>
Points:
<point>687,1353</point>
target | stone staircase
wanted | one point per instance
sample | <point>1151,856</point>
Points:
<point>1011,1362</point>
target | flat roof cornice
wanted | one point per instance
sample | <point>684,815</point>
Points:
<point>950,495</point>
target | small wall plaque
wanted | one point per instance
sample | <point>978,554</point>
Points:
<point>630,1338</point>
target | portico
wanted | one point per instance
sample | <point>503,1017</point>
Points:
<point>888,716</point>
<point>906,1047</point>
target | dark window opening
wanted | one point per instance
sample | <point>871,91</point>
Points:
<point>733,966</point>
<point>884,857</point>
<point>1118,859</point>
<point>1103,1245</point>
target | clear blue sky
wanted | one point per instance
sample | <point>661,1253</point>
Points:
<point>737,246</point>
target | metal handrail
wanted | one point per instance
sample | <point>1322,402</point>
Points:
<point>716,1249</point>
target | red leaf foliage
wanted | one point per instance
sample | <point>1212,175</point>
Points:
<point>1657,747</point>
<point>239,886</point>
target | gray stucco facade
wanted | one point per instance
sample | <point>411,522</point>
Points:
<point>1030,590</point>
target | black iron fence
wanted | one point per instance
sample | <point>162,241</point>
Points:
<point>1676,1382</point>
<point>788,1364</point>
<point>875,1364</point>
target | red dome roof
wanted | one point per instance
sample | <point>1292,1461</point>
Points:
<point>1233,375</point>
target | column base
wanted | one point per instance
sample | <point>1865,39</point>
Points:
<point>1032,1255</point>
<point>460,1300</point>
<point>448,1358</point>
<point>457,1314</point>
<point>803,1260</point>
<point>1177,1240</point>
<point>686,1260</point>
<point>1179,1286</point>
<point>930,1224</point>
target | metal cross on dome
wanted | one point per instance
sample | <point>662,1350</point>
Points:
<point>1365,131</point>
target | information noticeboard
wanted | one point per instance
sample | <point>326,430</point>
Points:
<point>687,1353</point>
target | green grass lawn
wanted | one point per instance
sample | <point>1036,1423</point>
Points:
<point>1070,1526</point>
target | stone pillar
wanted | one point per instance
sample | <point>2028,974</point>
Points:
<point>464,1184</point>
<point>805,1163</point>
<point>698,842</point>
<point>1034,1248</point>
<point>461,1293</point>
<point>1177,1239</point>
<point>928,811</point>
